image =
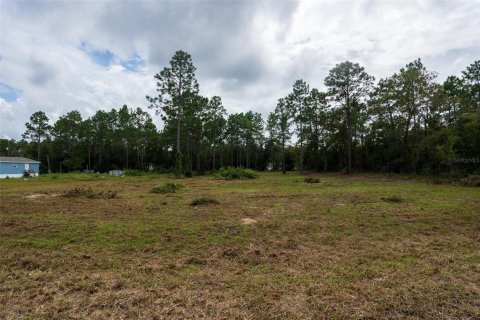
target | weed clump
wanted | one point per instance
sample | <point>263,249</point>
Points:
<point>471,181</point>
<point>394,199</point>
<point>79,192</point>
<point>230,173</point>
<point>311,180</point>
<point>203,201</point>
<point>168,187</point>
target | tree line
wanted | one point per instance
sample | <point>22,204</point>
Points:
<point>405,123</point>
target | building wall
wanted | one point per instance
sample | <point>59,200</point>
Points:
<point>15,170</point>
<point>11,175</point>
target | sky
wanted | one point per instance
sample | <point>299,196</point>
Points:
<point>58,56</point>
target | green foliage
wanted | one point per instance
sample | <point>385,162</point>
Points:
<point>168,187</point>
<point>348,85</point>
<point>203,201</point>
<point>230,173</point>
<point>408,123</point>
<point>471,181</point>
<point>177,98</point>
<point>38,129</point>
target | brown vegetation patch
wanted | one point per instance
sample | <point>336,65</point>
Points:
<point>309,258</point>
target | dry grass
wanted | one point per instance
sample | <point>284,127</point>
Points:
<point>329,250</point>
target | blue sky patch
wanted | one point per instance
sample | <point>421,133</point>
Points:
<point>133,63</point>
<point>9,93</point>
<point>104,58</point>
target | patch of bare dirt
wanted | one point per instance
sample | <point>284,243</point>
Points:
<point>41,195</point>
<point>248,221</point>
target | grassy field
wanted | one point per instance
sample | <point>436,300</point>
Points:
<point>349,247</point>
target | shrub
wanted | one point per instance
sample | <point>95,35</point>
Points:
<point>395,199</point>
<point>168,187</point>
<point>471,181</point>
<point>230,173</point>
<point>203,201</point>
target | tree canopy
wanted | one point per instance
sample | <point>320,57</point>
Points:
<point>407,123</point>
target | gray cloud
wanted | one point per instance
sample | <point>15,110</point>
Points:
<point>42,73</point>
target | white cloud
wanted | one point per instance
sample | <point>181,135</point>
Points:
<point>249,53</point>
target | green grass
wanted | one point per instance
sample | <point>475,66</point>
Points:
<point>348,247</point>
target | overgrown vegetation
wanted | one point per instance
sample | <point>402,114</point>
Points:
<point>90,193</point>
<point>230,173</point>
<point>169,187</point>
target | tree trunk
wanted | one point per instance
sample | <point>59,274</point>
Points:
<point>349,136</point>
<point>213,162</point>
<point>38,148</point>
<point>301,147</point>
<point>198,156</point>
<point>178,157</point>
<point>89,157</point>
<point>349,145</point>
<point>48,164</point>
<point>126,158</point>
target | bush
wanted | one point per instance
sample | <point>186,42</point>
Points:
<point>203,201</point>
<point>168,187</point>
<point>90,193</point>
<point>471,181</point>
<point>230,173</point>
<point>162,170</point>
<point>395,199</point>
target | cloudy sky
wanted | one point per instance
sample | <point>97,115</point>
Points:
<point>57,56</point>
